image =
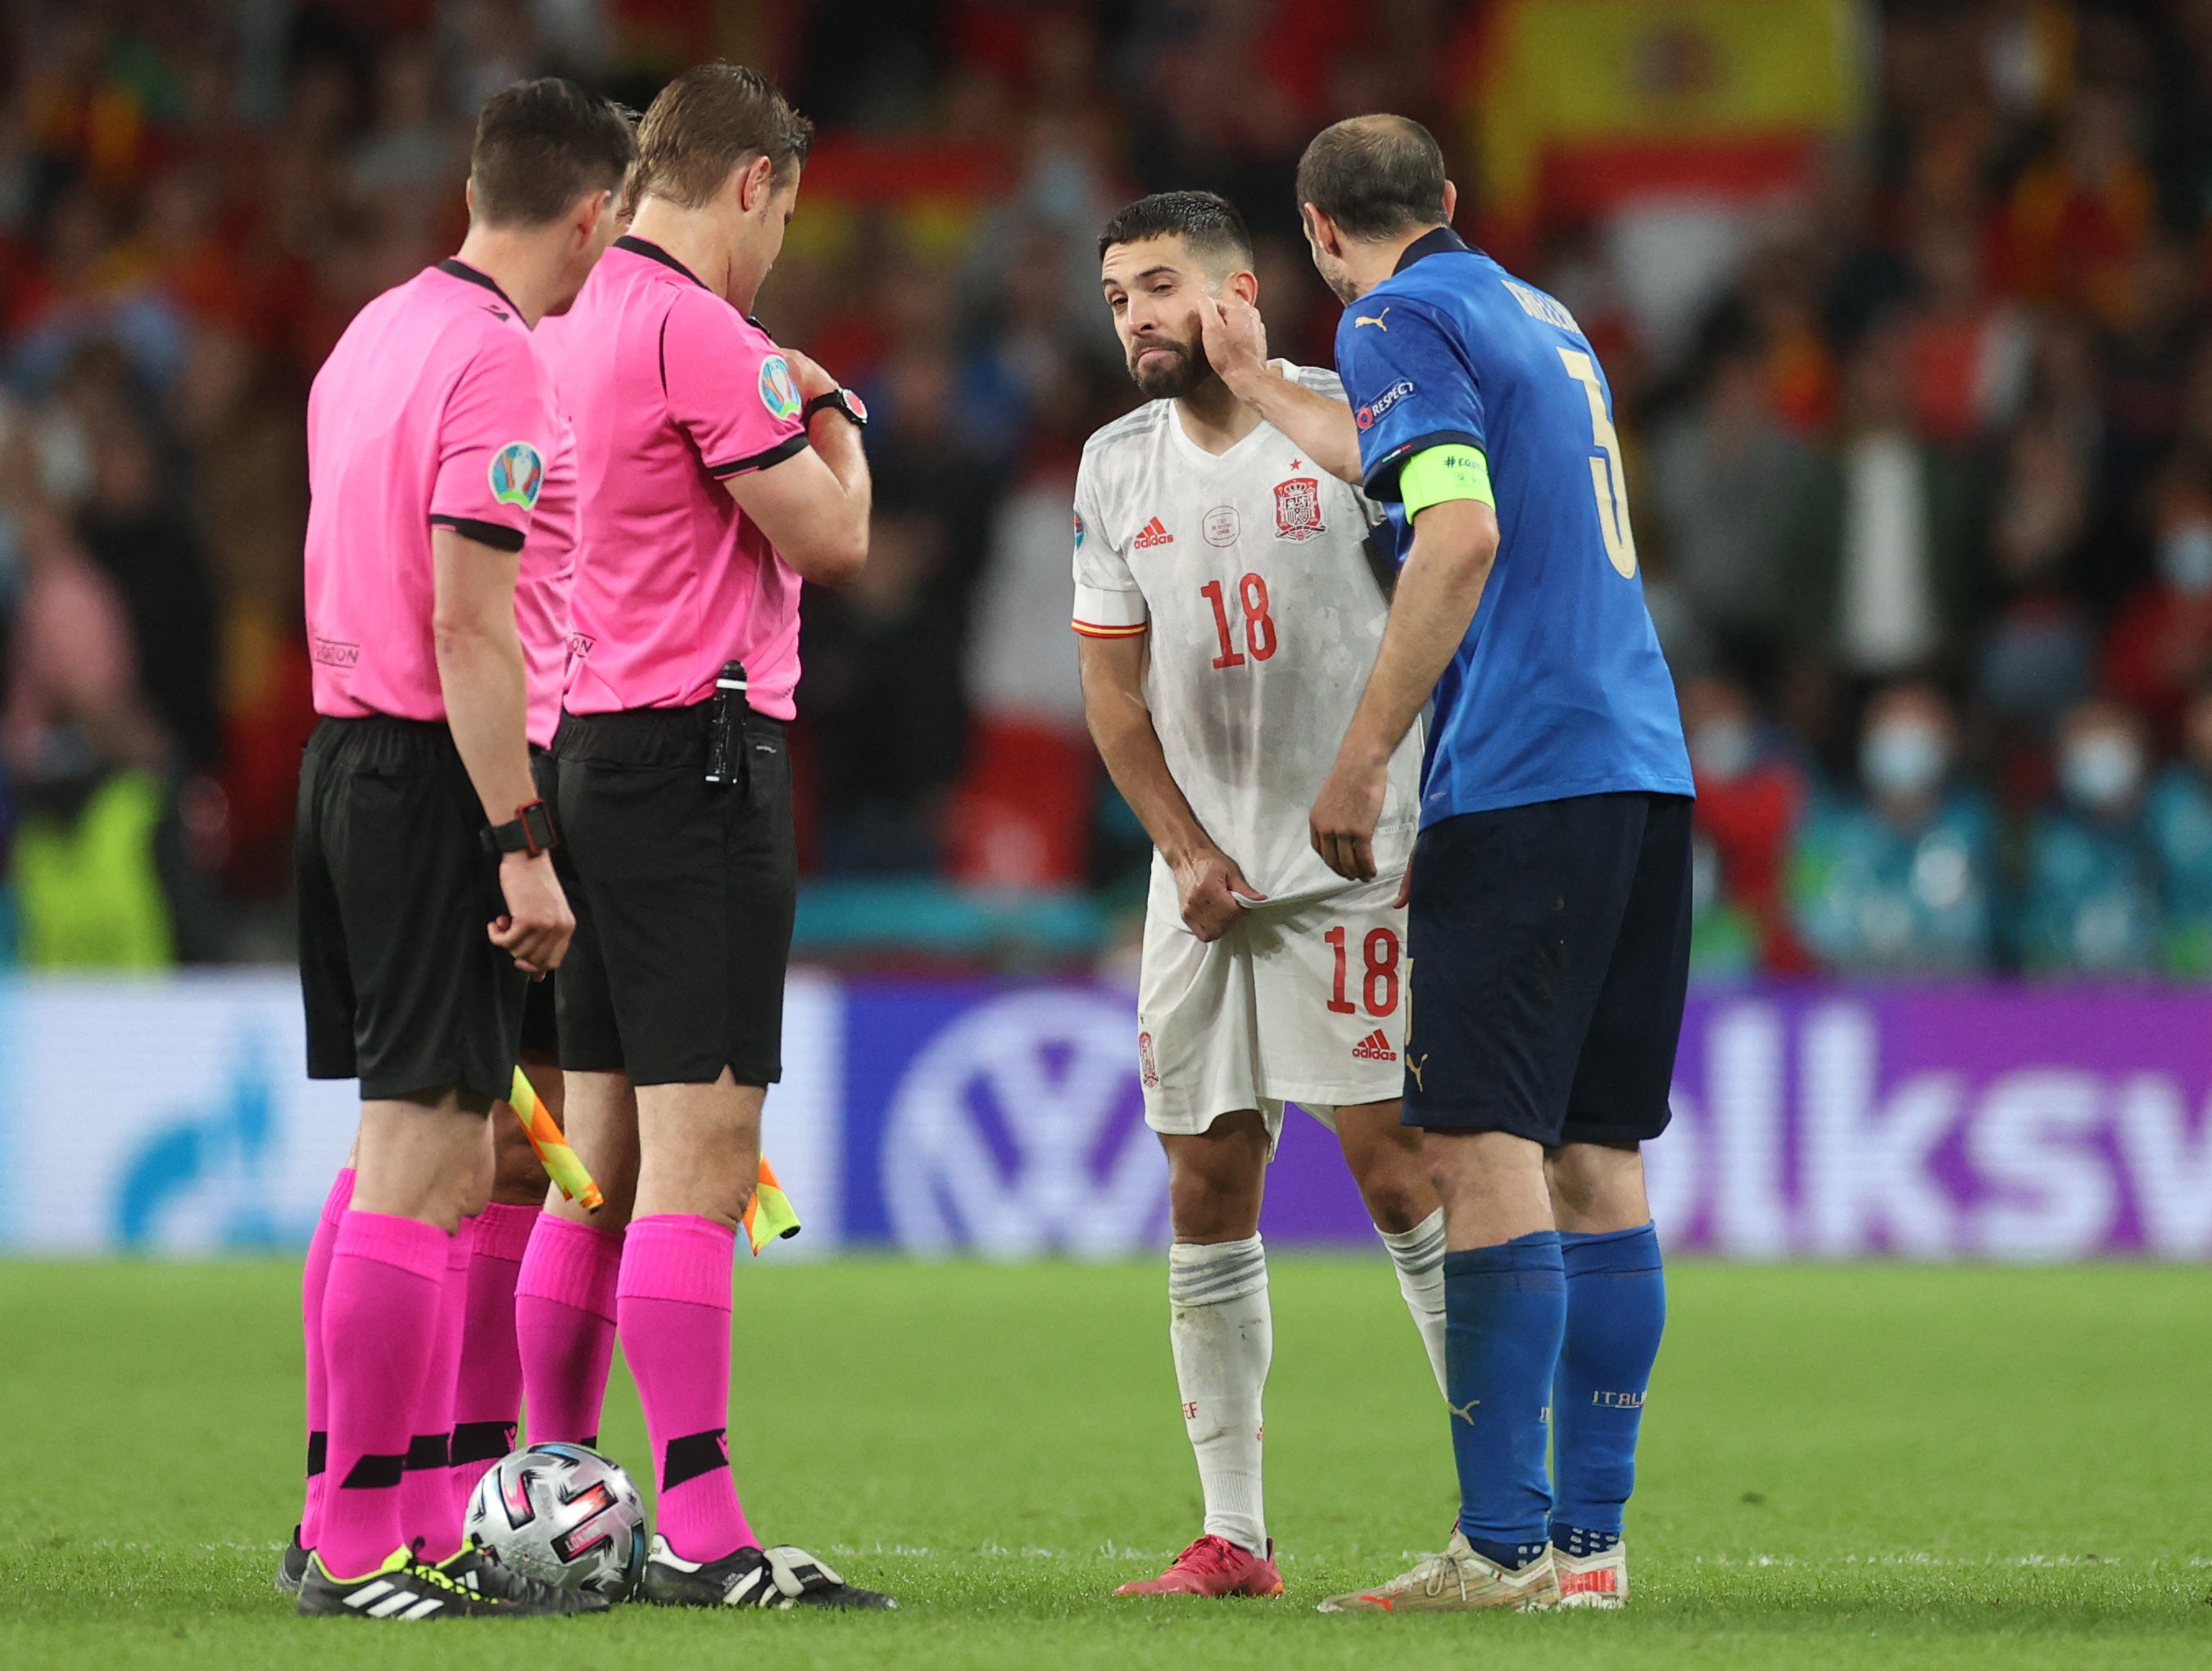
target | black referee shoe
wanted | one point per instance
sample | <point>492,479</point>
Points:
<point>292,1565</point>
<point>480,1572</point>
<point>404,1588</point>
<point>780,1578</point>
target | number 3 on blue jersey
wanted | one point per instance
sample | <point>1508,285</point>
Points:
<point>1607,482</point>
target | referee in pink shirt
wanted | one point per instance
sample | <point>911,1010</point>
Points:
<point>427,893</point>
<point>717,472</point>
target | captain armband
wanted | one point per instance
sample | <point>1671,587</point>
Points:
<point>1453,471</point>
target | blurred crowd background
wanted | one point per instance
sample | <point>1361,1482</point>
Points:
<point>1903,307</point>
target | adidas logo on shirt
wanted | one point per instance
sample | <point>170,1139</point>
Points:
<point>1375,1048</point>
<point>1152,533</point>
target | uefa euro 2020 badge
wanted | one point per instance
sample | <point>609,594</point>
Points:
<point>777,391</point>
<point>517,473</point>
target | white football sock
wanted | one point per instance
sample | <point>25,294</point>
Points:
<point>1419,1253</point>
<point>1223,1338</point>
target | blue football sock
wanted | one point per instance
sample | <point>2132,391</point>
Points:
<point>1574,1541</point>
<point>1616,1309</point>
<point>1505,1310</point>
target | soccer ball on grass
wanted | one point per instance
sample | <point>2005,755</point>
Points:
<point>564,1514</point>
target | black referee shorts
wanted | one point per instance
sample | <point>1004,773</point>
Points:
<point>684,899</point>
<point>1551,955</point>
<point>403,990</point>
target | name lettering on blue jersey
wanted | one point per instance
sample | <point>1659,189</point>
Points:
<point>1538,305</point>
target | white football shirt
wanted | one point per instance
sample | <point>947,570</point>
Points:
<point>1249,572</point>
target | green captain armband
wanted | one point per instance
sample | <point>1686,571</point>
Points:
<point>1453,471</point>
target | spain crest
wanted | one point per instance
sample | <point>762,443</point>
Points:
<point>1297,508</point>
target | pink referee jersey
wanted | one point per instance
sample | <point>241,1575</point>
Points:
<point>675,391</point>
<point>433,410</point>
<point>543,591</point>
<point>544,599</point>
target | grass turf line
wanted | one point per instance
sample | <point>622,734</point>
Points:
<point>1845,1467</point>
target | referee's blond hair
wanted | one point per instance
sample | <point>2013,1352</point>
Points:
<point>708,121</point>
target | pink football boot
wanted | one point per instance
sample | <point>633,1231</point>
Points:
<point>1214,1566</point>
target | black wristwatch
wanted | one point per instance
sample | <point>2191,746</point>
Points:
<point>843,401</point>
<point>531,832</point>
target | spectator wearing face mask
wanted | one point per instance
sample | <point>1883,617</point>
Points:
<point>2160,645</point>
<point>1901,878</point>
<point>1750,794</point>
<point>2178,815</point>
<point>2091,904</point>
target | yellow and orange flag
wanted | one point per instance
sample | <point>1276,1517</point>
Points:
<point>560,1161</point>
<point>769,1217</point>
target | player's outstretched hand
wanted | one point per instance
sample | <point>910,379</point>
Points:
<point>1234,337</point>
<point>1209,886</point>
<point>535,929</point>
<point>808,377</point>
<point>1344,816</point>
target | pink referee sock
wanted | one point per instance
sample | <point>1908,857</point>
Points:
<point>564,1326</point>
<point>674,1304</point>
<point>379,1332</point>
<point>488,1394</point>
<point>312,1282</point>
<point>428,1517</point>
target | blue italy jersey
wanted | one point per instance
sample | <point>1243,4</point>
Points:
<point>1559,688</point>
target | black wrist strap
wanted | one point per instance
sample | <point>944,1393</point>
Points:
<point>530,830</point>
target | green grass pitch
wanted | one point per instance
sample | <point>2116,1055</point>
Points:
<point>1843,1466</point>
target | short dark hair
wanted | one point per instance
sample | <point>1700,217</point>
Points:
<point>540,145</point>
<point>1206,220</point>
<point>1375,176</point>
<point>707,121</point>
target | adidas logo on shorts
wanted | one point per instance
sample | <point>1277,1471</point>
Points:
<point>1375,1048</point>
<point>1152,533</point>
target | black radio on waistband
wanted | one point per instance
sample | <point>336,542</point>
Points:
<point>726,727</point>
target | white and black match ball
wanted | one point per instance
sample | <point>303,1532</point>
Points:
<point>564,1514</point>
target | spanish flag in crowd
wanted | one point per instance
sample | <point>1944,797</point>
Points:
<point>1575,105</point>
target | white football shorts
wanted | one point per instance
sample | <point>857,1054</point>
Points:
<point>1302,1003</point>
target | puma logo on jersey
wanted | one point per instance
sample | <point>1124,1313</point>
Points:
<point>1463,1412</point>
<point>1415,1067</point>
<point>1152,533</point>
<point>1375,319</point>
<point>1375,1048</point>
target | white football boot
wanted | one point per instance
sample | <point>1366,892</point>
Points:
<point>1458,1581</point>
<point>1593,1581</point>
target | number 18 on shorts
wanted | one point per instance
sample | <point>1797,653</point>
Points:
<point>1301,1003</point>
